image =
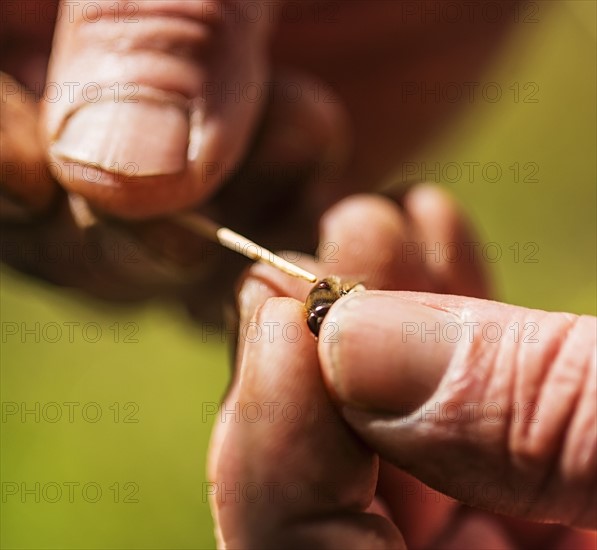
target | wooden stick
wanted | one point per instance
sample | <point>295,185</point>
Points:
<point>233,241</point>
<point>81,212</point>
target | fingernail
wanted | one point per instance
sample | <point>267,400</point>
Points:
<point>136,139</point>
<point>251,296</point>
<point>384,353</point>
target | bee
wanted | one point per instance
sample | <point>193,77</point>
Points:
<point>323,295</point>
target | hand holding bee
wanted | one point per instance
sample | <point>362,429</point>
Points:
<point>358,388</point>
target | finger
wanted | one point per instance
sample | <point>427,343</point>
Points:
<point>401,493</point>
<point>426,246</point>
<point>470,530</point>
<point>471,395</point>
<point>371,239</point>
<point>26,185</point>
<point>363,236</point>
<point>262,282</point>
<point>156,256</point>
<point>445,243</point>
<point>300,444</point>
<point>142,121</point>
<point>360,238</point>
<point>408,500</point>
<point>366,237</point>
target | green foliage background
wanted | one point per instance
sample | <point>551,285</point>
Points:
<point>171,374</point>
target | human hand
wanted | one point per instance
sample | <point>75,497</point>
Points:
<point>313,439</point>
<point>267,150</point>
<point>197,49</point>
<point>43,234</point>
<point>145,91</point>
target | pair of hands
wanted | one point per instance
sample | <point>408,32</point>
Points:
<point>491,404</point>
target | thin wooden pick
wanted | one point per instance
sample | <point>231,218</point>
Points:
<point>236,242</point>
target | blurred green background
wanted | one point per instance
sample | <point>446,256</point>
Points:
<point>151,472</point>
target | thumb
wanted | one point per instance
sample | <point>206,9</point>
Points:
<point>492,404</point>
<point>147,104</point>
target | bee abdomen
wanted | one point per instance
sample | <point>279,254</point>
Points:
<point>316,317</point>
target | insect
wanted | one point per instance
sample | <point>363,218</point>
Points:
<point>322,297</point>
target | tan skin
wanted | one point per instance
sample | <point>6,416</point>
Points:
<point>361,135</point>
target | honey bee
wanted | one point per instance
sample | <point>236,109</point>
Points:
<point>323,295</point>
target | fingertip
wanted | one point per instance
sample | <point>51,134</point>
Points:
<point>448,245</point>
<point>367,234</point>
<point>164,139</point>
<point>373,356</point>
<point>360,210</point>
<point>279,308</point>
<point>429,192</point>
<point>435,205</point>
<point>278,328</point>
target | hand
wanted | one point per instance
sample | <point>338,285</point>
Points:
<point>274,145</point>
<point>42,232</point>
<point>277,155</point>
<point>311,436</point>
